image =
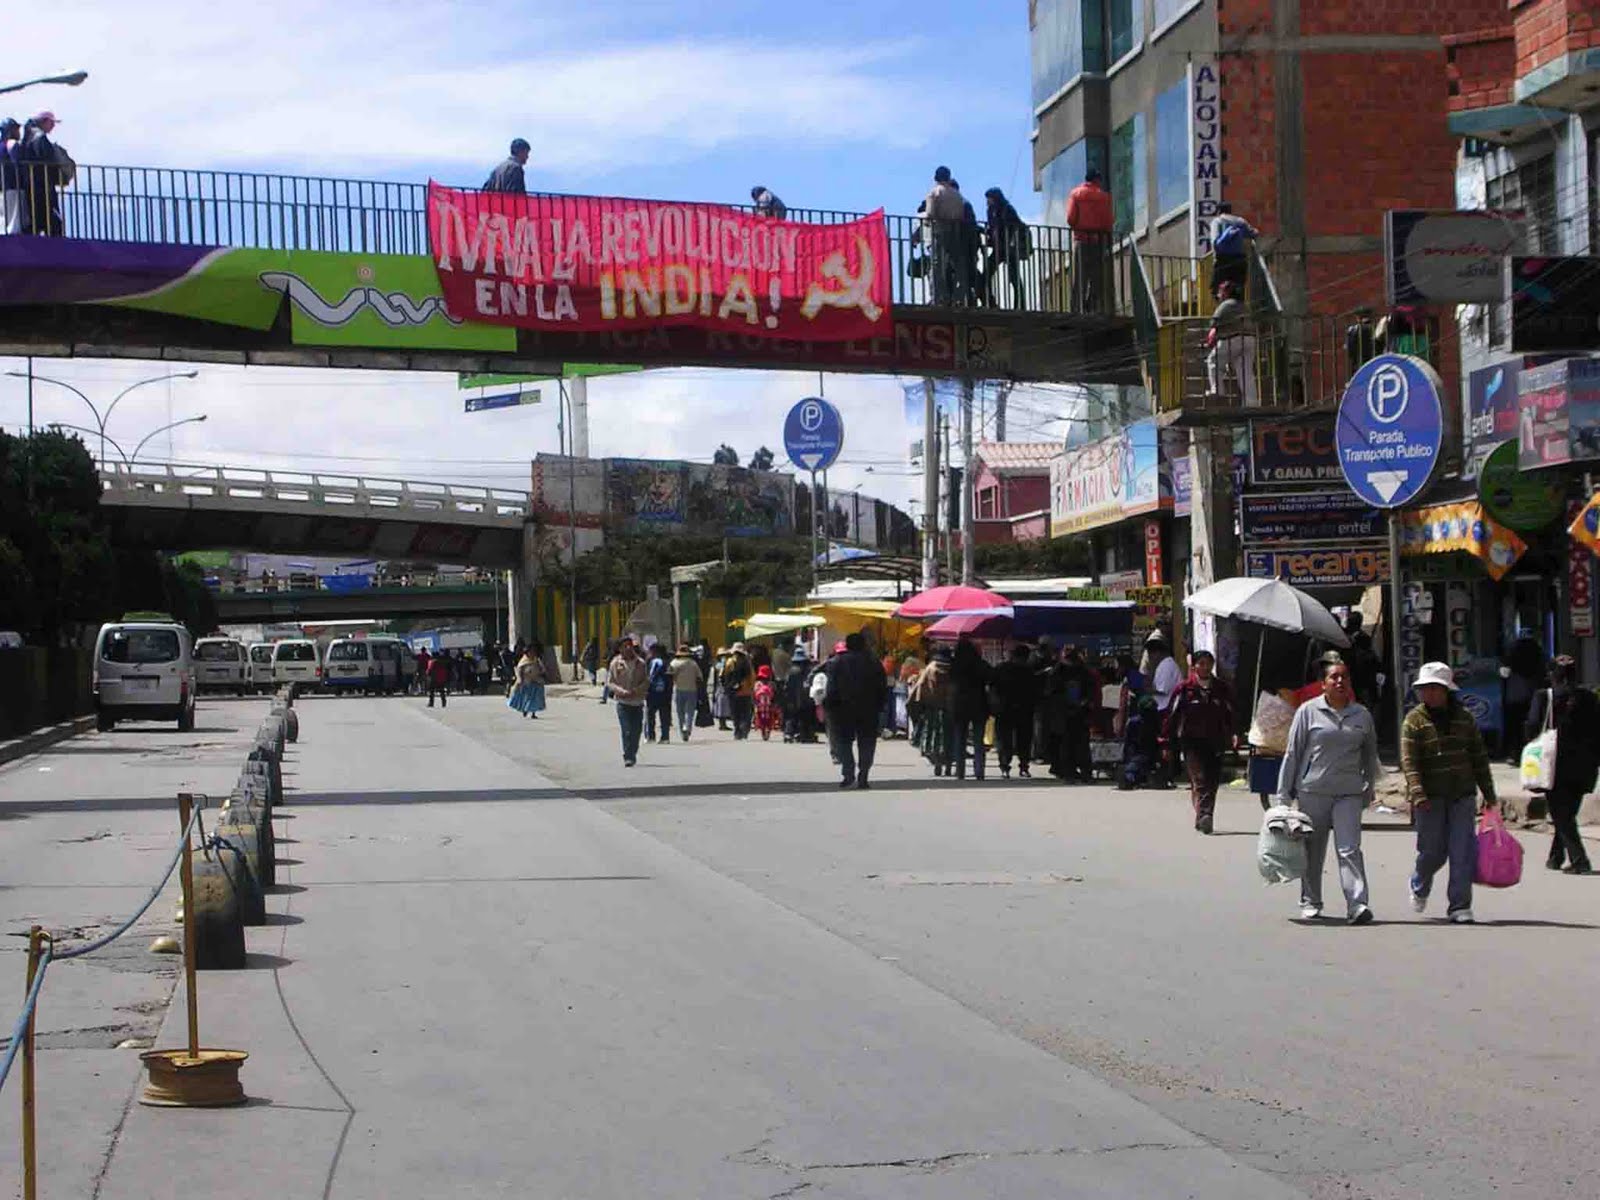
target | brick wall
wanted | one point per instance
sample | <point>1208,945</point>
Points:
<point>1548,29</point>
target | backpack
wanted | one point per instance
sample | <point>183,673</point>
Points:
<point>660,679</point>
<point>1229,239</point>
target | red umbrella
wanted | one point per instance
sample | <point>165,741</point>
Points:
<point>972,624</point>
<point>940,601</point>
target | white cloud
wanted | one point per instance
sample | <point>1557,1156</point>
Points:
<point>362,86</point>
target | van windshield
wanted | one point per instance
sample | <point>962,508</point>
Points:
<point>296,652</point>
<point>141,646</point>
<point>347,652</point>
<point>217,652</point>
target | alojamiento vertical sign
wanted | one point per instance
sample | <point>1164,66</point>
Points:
<point>1205,135</point>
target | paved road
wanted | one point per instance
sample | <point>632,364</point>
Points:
<point>503,965</point>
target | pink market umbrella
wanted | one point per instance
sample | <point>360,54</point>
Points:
<point>942,601</point>
<point>971,624</point>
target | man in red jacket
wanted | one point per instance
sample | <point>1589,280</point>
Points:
<point>439,679</point>
<point>1199,722</point>
<point>1091,220</point>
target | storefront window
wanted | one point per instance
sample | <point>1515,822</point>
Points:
<point>1172,148</point>
<point>1130,188</point>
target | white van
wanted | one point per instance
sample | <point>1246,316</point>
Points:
<point>294,660</point>
<point>390,656</point>
<point>143,671</point>
<point>261,667</point>
<point>221,665</point>
<point>348,666</point>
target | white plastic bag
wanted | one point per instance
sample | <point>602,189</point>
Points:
<point>1269,731</point>
<point>1538,763</point>
<point>1281,848</point>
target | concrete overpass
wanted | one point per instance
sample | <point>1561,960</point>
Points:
<point>472,600</point>
<point>179,507</point>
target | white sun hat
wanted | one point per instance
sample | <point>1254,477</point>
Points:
<point>1436,672</point>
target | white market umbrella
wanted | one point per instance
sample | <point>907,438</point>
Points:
<point>1272,604</point>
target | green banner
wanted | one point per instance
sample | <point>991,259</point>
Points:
<point>222,287</point>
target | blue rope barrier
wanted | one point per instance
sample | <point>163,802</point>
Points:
<point>20,1031</point>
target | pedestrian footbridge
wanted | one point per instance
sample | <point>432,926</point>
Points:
<point>182,507</point>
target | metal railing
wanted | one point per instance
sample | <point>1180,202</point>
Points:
<point>332,491</point>
<point>1276,364</point>
<point>956,266</point>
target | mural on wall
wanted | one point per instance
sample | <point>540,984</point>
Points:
<point>642,494</point>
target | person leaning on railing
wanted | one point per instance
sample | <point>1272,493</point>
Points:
<point>1010,245</point>
<point>1091,218</point>
<point>45,168</point>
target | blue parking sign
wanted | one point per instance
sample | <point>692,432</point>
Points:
<point>1390,429</point>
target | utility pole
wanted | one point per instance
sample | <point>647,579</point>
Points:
<point>1002,393</point>
<point>966,481</point>
<point>930,487</point>
<point>949,531</point>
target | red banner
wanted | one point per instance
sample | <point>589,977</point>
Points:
<point>585,263</point>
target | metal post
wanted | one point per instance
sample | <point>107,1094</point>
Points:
<point>930,487</point>
<point>578,407</point>
<point>815,553</point>
<point>30,1148</point>
<point>28,457</point>
<point>966,481</point>
<point>1396,603</point>
<point>949,543</point>
<point>572,527</point>
<point>191,993</point>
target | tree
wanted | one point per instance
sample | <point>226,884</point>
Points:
<point>726,456</point>
<point>761,460</point>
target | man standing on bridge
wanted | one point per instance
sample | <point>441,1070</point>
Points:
<point>508,176</point>
<point>628,680</point>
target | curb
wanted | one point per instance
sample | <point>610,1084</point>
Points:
<point>40,739</point>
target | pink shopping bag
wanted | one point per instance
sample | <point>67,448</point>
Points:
<point>1499,854</point>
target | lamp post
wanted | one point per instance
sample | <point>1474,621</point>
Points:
<point>100,421</point>
<point>92,432</point>
<point>160,430</point>
<point>70,79</point>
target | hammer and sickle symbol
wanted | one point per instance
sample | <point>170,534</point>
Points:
<point>854,291</point>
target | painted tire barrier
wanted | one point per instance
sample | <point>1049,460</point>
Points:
<point>218,929</point>
<point>291,724</point>
<point>255,819</point>
<point>265,767</point>
<point>238,850</point>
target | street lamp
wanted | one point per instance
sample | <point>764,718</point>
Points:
<point>70,79</point>
<point>101,421</point>
<point>92,432</point>
<point>156,432</point>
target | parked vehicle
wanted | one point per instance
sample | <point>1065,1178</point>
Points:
<point>349,667</point>
<point>295,661</point>
<point>221,665</point>
<point>261,679</point>
<point>143,671</point>
<point>389,656</point>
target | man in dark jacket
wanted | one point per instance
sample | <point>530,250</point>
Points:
<point>854,705</point>
<point>1574,714</point>
<point>508,176</point>
<point>44,169</point>
<point>1199,723</point>
<point>1016,688</point>
<point>1069,690</point>
<point>1010,244</point>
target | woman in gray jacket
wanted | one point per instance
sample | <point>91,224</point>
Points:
<point>1330,773</point>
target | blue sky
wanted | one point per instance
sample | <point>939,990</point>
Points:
<point>839,105</point>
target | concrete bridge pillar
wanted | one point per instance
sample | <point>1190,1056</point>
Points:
<point>524,577</point>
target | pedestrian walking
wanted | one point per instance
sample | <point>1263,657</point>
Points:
<point>739,681</point>
<point>1090,217</point>
<point>767,715</point>
<point>509,176</point>
<point>702,709</point>
<point>590,659</point>
<point>439,679</point>
<point>1446,765</point>
<point>687,684</point>
<point>941,214</point>
<point>1069,692</point>
<point>853,702</point>
<point>1330,772</point>
<point>1163,674</point>
<point>628,679</point>
<point>799,710</point>
<point>527,692</point>
<point>658,696</point>
<point>1574,713</point>
<point>969,708</point>
<point>1230,249</point>
<point>1010,245</point>
<point>767,203</point>
<point>931,694</point>
<point>1199,723</point>
<point>1231,347</point>
<point>1015,692</point>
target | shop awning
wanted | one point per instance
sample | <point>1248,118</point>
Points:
<point>1461,526</point>
<point>768,624</point>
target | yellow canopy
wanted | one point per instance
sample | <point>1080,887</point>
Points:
<point>767,624</point>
